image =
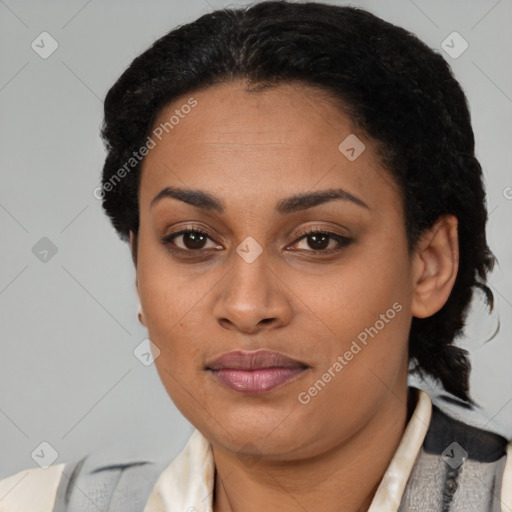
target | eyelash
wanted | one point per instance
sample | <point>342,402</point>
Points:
<point>342,240</point>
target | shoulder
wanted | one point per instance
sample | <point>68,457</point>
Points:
<point>462,466</point>
<point>32,489</point>
<point>98,477</point>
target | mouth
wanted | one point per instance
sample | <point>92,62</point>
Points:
<point>255,372</point>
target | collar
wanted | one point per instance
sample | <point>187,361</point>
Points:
<point>187,484</point>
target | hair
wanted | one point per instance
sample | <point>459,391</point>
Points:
<point>398,91</point>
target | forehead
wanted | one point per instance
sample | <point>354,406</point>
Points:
<point>253,145</point>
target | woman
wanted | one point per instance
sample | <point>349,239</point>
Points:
<point>306,215</point>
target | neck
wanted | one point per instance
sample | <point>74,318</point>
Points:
<point>346,477</point>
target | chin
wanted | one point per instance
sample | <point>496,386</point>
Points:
<point>270,432</point>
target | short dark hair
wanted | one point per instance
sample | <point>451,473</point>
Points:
<point>397,90</point>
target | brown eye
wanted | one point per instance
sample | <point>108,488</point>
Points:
<point>191,240</point>
<point>319,240</point>
<point>194,240</point>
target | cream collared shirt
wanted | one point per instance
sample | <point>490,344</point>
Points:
<point>187,484</point>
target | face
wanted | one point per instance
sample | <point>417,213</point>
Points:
<point>237,271</point>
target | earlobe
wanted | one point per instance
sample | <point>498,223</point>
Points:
<point>435,266</point>
<point>133,248</point>
<point>140,312</point>
<point>140,316</point>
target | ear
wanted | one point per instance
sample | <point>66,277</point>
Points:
<point>435,266</point>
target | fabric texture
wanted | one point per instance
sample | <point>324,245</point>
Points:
<point>459,468</point>
<point>88,486</point>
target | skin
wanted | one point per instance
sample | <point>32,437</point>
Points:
<point>250,150</point>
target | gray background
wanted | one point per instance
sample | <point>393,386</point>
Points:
<point>68,375</point>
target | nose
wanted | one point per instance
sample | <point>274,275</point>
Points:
<point>252,297</point>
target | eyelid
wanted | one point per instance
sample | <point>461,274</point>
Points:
<point>342,240</point>
<point>312,230</point>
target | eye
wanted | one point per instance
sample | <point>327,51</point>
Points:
<point>192,240</point>
<point>319,239</point>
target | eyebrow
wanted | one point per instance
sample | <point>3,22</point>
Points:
<point>206,201</point>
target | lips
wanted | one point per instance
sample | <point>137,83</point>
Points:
<point>255,372</point>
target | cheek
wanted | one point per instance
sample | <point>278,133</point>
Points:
<point>176,311</point>
<point>367,286</point>
<point>164,292</point>
<point>368,307</point>
<point>164,300</point>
